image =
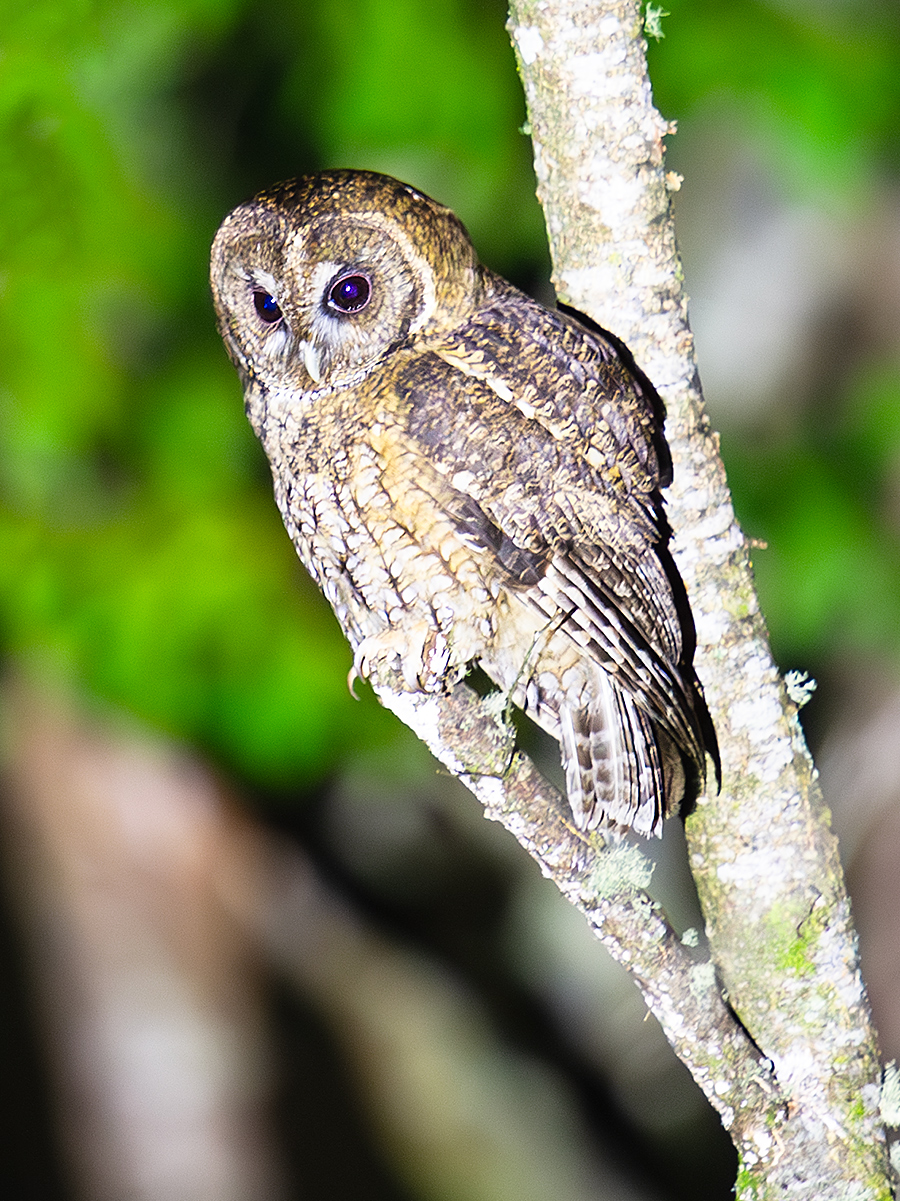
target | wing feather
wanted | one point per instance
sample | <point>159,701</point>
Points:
<point>547,452</point>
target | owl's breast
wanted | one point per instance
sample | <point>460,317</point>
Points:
<point>367,518</point>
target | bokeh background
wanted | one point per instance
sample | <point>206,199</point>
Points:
<point>254,944</point>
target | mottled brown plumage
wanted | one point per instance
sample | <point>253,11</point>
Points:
<point>469,476</point>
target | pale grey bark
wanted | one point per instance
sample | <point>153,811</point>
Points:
<point>762,852</point>
<point>802,1104</point>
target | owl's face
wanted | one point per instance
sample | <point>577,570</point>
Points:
<point>317,280</point>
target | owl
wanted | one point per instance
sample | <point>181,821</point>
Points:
<point>470,477</point>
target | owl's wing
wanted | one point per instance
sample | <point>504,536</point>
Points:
<point>568,376</point>
<point>533,417</point>
<point>548,455</point>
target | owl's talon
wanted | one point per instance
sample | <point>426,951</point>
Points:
<point>421,655</point>
<point>352,676</point>
<point>362,661</point>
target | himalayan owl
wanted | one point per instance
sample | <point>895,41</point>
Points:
<point>470,477</point>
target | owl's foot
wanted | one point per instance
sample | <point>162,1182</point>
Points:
<point>418,651</point>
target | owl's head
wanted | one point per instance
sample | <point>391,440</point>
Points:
<point>317,279</point>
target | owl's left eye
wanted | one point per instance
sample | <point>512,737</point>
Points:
<point>350,293</point>
<point>266,307</point>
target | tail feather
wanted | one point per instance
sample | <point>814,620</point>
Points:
<point>617,772</point>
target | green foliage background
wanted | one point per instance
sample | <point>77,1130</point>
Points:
<point>815,89</point>
<point>141,555</point>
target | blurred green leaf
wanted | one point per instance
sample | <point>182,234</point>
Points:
<point>819,83</point>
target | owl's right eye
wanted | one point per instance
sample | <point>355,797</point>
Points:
<point>266,307</point>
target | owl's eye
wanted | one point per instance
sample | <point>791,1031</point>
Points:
<point>350,293</point>
<point>266,307</point>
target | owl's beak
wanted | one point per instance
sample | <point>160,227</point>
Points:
<point>311,361</point>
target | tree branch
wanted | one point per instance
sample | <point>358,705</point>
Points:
<point>762,852</point>
<point>606,883</point>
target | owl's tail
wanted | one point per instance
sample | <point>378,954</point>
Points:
<point>621,769</point>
